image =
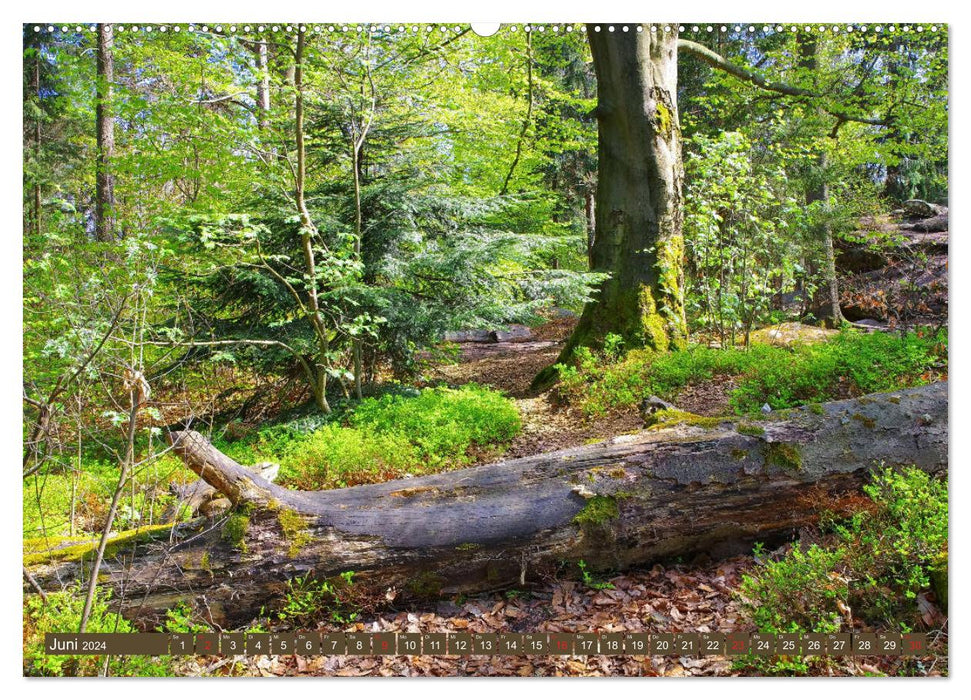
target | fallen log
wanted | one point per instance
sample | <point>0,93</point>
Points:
<point>200,497</point>
<point>686,485</point>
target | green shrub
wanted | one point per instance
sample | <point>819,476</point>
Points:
<point>442,423</point>
<point>47,497</point>
<point>62,613</point>
<point>798,593</point>
<point>904,546</point>
<point>182,619</point>
<point>402,432</point>
<point>309,600</point>
<point>598,385</point>
<point>863,362</point>
<point>851,363</point>
<point>874,566</point>
<point>336,457</point>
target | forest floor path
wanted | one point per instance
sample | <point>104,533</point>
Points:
<point>510,367</point>
<point>548,424</point>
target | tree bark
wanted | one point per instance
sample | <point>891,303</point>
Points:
<point>638,202</point>
<point>104,181</point>
<point>38,199</point>
<point>263,86</point>
<point>666,491</point>
<point>307,233</point>
<point>590,210</point>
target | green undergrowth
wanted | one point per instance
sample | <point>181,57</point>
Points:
<point>308,600</point>
<point>850,364</point>
<point>49,495</point>
<point>387,437</point>
<point>869,568</point>
<point>62,613</point>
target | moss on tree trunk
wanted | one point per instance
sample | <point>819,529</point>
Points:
<point>638,238</point>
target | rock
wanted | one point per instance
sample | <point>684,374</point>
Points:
<point>650,406</point>
<point>859,257</point>
<point>933,224</point>
<point>920,209</point>
<point>904,292</point>
<point>514,334</point>
<point>766,408</point>
<point>788,334</point>
<point>928,243</point>
<point>475,336</point>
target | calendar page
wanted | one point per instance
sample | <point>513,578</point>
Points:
<point>529,349</point>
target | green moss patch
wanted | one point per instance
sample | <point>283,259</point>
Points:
<point>752,429</point>
<point>668,418</point>
<point>783,455</point>
<point>598,509</point>
<point>235,530</point>
<point>294,528</point>
<point>48,549</point>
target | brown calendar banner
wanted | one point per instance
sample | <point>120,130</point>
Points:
<point>474,644</point>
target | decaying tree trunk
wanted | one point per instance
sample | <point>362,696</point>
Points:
<point>673,489</point>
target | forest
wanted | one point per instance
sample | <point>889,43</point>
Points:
<point>407,328</point>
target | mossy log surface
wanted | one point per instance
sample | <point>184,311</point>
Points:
<point>627,501</point>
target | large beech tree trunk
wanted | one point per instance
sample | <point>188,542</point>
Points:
<point>638,202</point>
<point>631,500</point>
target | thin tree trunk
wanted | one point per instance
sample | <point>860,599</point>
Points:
<point>808,46</point>
<point>357,148</point>
<point>527,120</point>
<point>834,313</point>
<point>38,199</point>
<point>104,224</point>
<point>307,233</point>
<point>126,465</point>
<point>263,87</point>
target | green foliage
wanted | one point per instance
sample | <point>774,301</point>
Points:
<point>444,424</point>
<point>906,545</point>
<point>798,593</point>
<point>877,563</point>
<point>590,580</point>
<point>48,495</point>
<point>387,437</point>
<point>182,619</point>
<point>62,613</point>
<point>863,363</point>
<point>737,231</point>
<point>309,601</point>
<point>335,457</point>
<point>851,363</point>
